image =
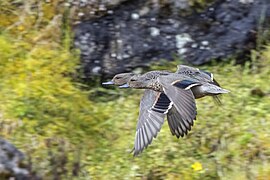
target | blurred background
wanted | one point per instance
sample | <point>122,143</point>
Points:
<point>58,122</point>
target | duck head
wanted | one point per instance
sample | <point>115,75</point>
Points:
<point>119,79</point>
<point>137,82</point>
<point>145,81</point>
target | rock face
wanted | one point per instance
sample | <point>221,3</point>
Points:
<point>10,159</point>
<point>136,33</point>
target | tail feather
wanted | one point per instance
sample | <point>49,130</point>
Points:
<point>217,100</point>
<point>213,89</point>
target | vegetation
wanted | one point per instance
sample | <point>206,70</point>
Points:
<point>69,132</point>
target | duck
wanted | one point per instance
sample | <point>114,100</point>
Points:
<point>155,104</point>
<point>181,90</point>
<point>151,111</point>
<point>179,106</point>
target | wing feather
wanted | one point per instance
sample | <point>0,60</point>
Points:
<point>149,121</point>
<point>183,100</point>
<point>177,124</point>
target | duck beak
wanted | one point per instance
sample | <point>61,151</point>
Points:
<point>124,86</point>
<point>108,83</point>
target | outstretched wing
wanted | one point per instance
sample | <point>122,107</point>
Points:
<point>183,100</point>
<point>195,73</point>
<point>151,118</point>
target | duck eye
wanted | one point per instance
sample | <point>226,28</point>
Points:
<point>132,79</point>
<point>117,77</point>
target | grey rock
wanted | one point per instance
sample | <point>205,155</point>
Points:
<point>88,9</point>
<point>11,163</point>
<point>10,158</point>
<point>138,33</point>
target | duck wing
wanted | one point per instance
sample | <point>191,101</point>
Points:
<point>153,108</point>
<point>183,69</point>
<point>183,99</point>
<point>178,125</point>
<point>195,73</point>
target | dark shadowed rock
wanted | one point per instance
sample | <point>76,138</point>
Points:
<point>11,163</point>
<point>136,33</point>
<point>225,29</point>
<point>10,158</point>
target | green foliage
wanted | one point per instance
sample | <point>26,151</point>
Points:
<point>69,132</point>
<point>37,87</point>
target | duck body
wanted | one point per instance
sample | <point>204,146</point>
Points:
<point>171,94</point>
<point>200,82</point>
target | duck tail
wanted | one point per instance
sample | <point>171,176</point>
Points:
<point>215,90</point>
